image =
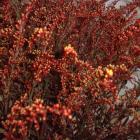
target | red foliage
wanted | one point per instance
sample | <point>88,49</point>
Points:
<point>62,66</point>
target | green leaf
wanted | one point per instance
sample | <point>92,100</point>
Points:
<point>2,130</point>
<point>1,98</point>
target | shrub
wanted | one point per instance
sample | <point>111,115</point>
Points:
<point>62,66</point>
